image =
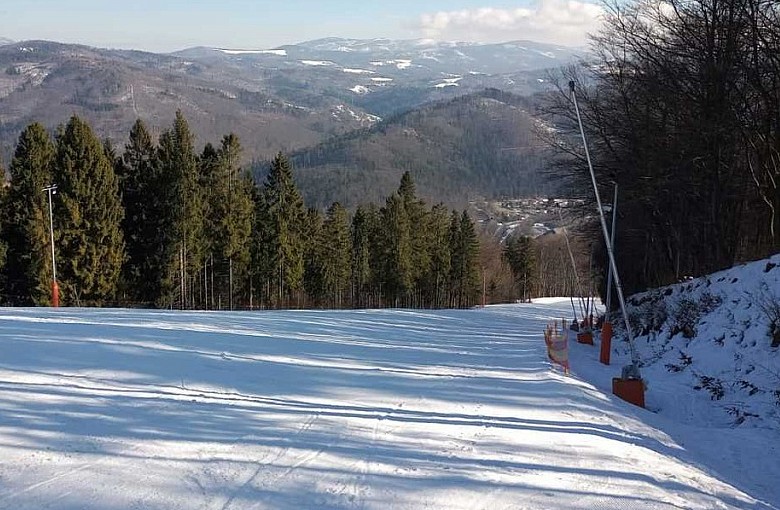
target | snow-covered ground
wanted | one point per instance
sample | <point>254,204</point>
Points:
<point>118,409</point>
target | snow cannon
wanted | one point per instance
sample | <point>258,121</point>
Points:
<point>630,386</point>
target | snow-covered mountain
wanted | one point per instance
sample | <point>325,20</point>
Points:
<point>5,40</point>
<point>310,90</point>
<point>404,60</point>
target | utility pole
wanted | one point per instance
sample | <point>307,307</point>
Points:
<point>50,190</point>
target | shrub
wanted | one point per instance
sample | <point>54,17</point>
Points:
<point>713,385</point>
<point>769,304</point>
<point>685,317</point>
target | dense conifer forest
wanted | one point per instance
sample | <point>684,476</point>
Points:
<point>158,223</point>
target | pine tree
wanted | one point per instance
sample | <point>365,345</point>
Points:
<point>88,225</point>
<point>143,201</point>
<point>3,226</point>
<point>314,271</point>
<point>214,211</point>
<point>436,277</point>
<point>519,254</point>
<point>28,269</point>
<point>282,218</point>
<point>237,222</point>
<point>336,253</point>
<point>419,235</point>
<point>360,233</point>
<point>396,265</point>
<point>464,272</point>
<point>182,241</point>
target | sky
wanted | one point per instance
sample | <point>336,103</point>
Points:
<point>170,25</point>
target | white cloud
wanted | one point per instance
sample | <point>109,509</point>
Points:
<point>554,21</point>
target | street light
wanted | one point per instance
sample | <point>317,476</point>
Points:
<point>51,189</point>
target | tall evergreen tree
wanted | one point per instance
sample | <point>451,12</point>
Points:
<point>3,226</point>
<point>183,237</point>
<point>397,270</point>
<point>88,225</point>
<point>419,234</point>
<point>437,274</point>
<point>360,233</point>
<point>282,218</point>
<point>464,272</point>
<point>314,272</point>
<point>143,200</point>
<point>519,254</point>
<point>214,207</point>
<point>237,222</point>
<point>336,253</point>
<point>28,270</point>
<point>228,217</point>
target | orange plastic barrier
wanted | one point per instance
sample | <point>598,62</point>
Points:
<point>558,344</point>
<point>585,337</point>
<point>630,390</point>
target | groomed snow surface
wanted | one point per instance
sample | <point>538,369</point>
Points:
<point>118,409</point>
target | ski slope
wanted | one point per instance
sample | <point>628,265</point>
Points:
<point>119,409</point>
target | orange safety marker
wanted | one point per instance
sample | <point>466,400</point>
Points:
<point>55,294</point>
<point>585,337</point>
<point>630,390</point>
<point>606,342</point>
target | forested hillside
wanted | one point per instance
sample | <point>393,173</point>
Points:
<point>163,223</point>
<point>478,145</point>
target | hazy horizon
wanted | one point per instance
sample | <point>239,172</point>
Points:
<point>244,24</point>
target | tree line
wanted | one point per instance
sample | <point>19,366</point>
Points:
<point>159,224</point>
<point>682,111</point>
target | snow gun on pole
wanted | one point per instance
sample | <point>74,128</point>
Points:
<point>630,371</point>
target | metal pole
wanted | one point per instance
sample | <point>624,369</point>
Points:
<point>631,371</point>
<point>55,290</point>
<point>612,240</point>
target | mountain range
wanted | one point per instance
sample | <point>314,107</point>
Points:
<point>277,99</point>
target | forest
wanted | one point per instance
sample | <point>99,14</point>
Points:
<point>159,224</point>
<point>681,108</point>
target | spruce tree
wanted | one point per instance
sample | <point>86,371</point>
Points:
<point>436,277</point>
<point>314,254</point>
<point>144,203</point>
<point>336,253</point>
<point>397,269</point>
<point>464,272</point>
<point>360,233</point>
<point>236,227</point>
<point>88,225</point>
<point>3,242</point>
<point>282,220</point>
<point>214,211</point>
<point>519,254</point>
<point>419,234</point>
<point>182,241</point>
<point>27,272</point>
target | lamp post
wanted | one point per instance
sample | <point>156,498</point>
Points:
<point>51,189</point>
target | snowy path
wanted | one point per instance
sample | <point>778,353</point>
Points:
<point>117,409</point>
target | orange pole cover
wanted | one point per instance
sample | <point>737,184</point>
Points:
<point>606,342</point>
<point>55,294</point>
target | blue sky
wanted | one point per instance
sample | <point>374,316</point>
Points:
<point>169,25</point>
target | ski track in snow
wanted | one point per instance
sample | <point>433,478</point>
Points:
<point>401,409</point>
